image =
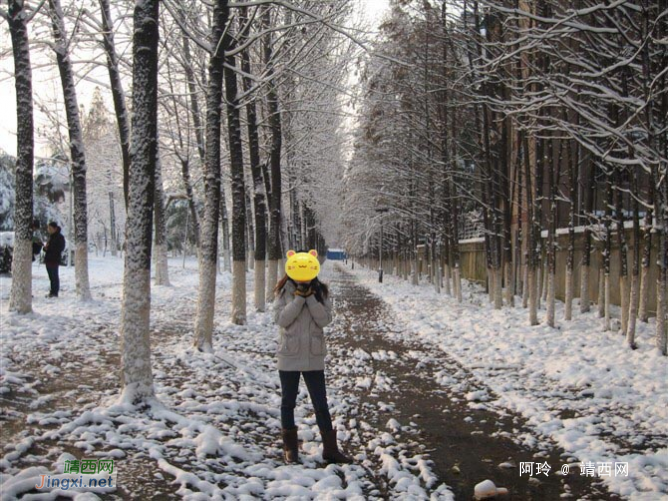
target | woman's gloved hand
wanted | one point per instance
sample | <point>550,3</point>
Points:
<point>304,290</point>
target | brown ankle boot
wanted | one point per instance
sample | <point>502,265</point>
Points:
<point>330,449</point>
<point>290,445</point>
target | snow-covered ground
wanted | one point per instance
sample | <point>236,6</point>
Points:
<point>576,384</point>
<point>215,434</point>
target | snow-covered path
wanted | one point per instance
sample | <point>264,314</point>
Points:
<point>576,386</point>
<point>216,435</point>
<point>420,387</point>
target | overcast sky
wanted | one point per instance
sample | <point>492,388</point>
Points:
<point>47,90</point>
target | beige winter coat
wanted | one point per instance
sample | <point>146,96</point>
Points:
<point>301,343</point>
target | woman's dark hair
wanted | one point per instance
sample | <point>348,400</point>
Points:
<point>280,284</point>
<point>320,289</point>
<point>53,224</point>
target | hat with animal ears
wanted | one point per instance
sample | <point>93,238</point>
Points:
<point>302,266</point>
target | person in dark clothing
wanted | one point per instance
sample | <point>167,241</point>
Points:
<point>53,251</point>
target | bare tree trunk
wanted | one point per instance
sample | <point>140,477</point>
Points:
<point>607,251</point>
<point>117,93</point>
<point>250,231</point>
<point>643,313</point>
<point>414,272</point>
<point>209,236</point>
<point>454,213</point>
<point>447,277</point>
<point>533,296</point>
<point>259,200</point>
<point>508,279</point>
<point>225,223</point>
<point>606,299</point>
<point>507,182</point>
<point>76,151</point>
<point>498,288</point>
<point>573,164</point>
<point>623,258</point>
<point>197,125</point>
<point>436,266</point>
<point>194,101</point>
<point>534,233</point>
<point>160,249</point>
<point>135,350</point>
<point>541,285</point>
<point>543,270</point>
<point>20,299</point>
<point>491,278</point>
<point>112,224</point>
<point>635,271</point>
<point>585,270</point>
<point>662,278</point>
<point>525,287</point>
<point>185,241</point>
<point>601,292</point>
<point>525,220</point>
<point>661,312</point>
<point>661,145</point>
<point>551,257</point>
<point>274,243</point>
<point>238,194</point>
<point>187,184</point>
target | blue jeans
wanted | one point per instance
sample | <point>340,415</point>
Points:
<point>52,270</point>
<point>315,383</point>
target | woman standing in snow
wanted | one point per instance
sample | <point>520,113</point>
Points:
<point>302,308</point>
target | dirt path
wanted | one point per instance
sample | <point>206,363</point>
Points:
<point>467,446</point>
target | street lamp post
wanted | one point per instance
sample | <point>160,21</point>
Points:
<point>380,271</point>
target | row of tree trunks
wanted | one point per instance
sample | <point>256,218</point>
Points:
<point>530,146</point>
